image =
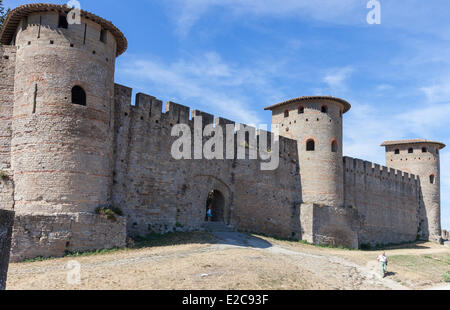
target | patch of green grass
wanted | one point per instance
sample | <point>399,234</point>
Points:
<point>36,259</point>
<point>73,254</point>
<point>327,246</point>
<point>172,238</point>
<point>379,246</point>
<point>433,267</point>
<point>91,253</point>
<point>446,277</point>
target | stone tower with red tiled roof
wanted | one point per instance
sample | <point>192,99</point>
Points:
<point>316,124</point>
<point>61,120</point>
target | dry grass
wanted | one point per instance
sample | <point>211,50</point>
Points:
<point>175,266</point>
<point>196,261</point>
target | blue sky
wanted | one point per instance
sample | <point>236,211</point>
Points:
<point>232,58</point>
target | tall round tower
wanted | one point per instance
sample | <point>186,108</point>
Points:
<point>421,158</point>
<point>63,111</point>
<point>316,123</point>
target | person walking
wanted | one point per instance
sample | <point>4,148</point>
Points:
<point>384,263</point>
<point>209,214</point>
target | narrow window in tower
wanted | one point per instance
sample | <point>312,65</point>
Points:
<point>334,146</point>
<point>324,109</point>
<point>85,32</point>
<point>310,146</point>
<point>437,151</point>
<point>424,150</point>
<point>397,152</point>
<point>35,98</point>
<point>78,95</point>
<point>103,36</point>
<point>432,179</point>
<point>286,114</point>
<point>40,25</point>
<point>410,151</point>
<point>301,110</point>
<point>25,23</point>
<point>62,22</point>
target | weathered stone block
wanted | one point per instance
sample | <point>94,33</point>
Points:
<point>55,235</point>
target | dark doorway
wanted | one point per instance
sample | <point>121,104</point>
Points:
<point>217,203</point>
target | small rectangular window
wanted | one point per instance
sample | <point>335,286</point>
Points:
<point>432,179</point>
<point>103,36</point>
<point>25,23</point>
<point>62,23</point>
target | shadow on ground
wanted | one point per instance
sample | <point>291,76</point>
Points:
<point>215,237</point>
<point>415,245</point>
<point>390,274</point>
<point>241,240</point>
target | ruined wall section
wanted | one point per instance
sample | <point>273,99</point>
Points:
<point>7,73</point>
<point>387,202</point>
<point>160,194</point>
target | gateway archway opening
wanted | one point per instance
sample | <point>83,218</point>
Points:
<point>215,202</point>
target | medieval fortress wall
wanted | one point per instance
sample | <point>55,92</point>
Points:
<point>388,201</point>
<point>160,194</point>
<point>63,155</point>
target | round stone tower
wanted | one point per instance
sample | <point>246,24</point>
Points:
<point>316,123</point>
<point>421,158</point>
<point>63,111</point>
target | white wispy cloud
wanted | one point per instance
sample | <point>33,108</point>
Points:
<point>208,82</point>
<point>415,16</point>
<point>332,11</point>
<point>336,78</point>
<point>438,92</point>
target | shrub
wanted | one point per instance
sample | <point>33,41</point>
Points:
<point>4,175</point>
<point>110,212</point>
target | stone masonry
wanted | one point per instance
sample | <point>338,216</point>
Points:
<point>71,142</point>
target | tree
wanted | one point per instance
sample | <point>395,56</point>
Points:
<point>3,13</point>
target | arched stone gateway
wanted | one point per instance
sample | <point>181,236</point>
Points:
<point>216,201</point>
<point>210,190</point>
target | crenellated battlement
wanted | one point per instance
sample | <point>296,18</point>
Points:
<point>359,166</point>
<point>148,113</point>
<point>66,124</point>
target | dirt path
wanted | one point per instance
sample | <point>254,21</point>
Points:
<point>331,269</point>
<point>232,261</point>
